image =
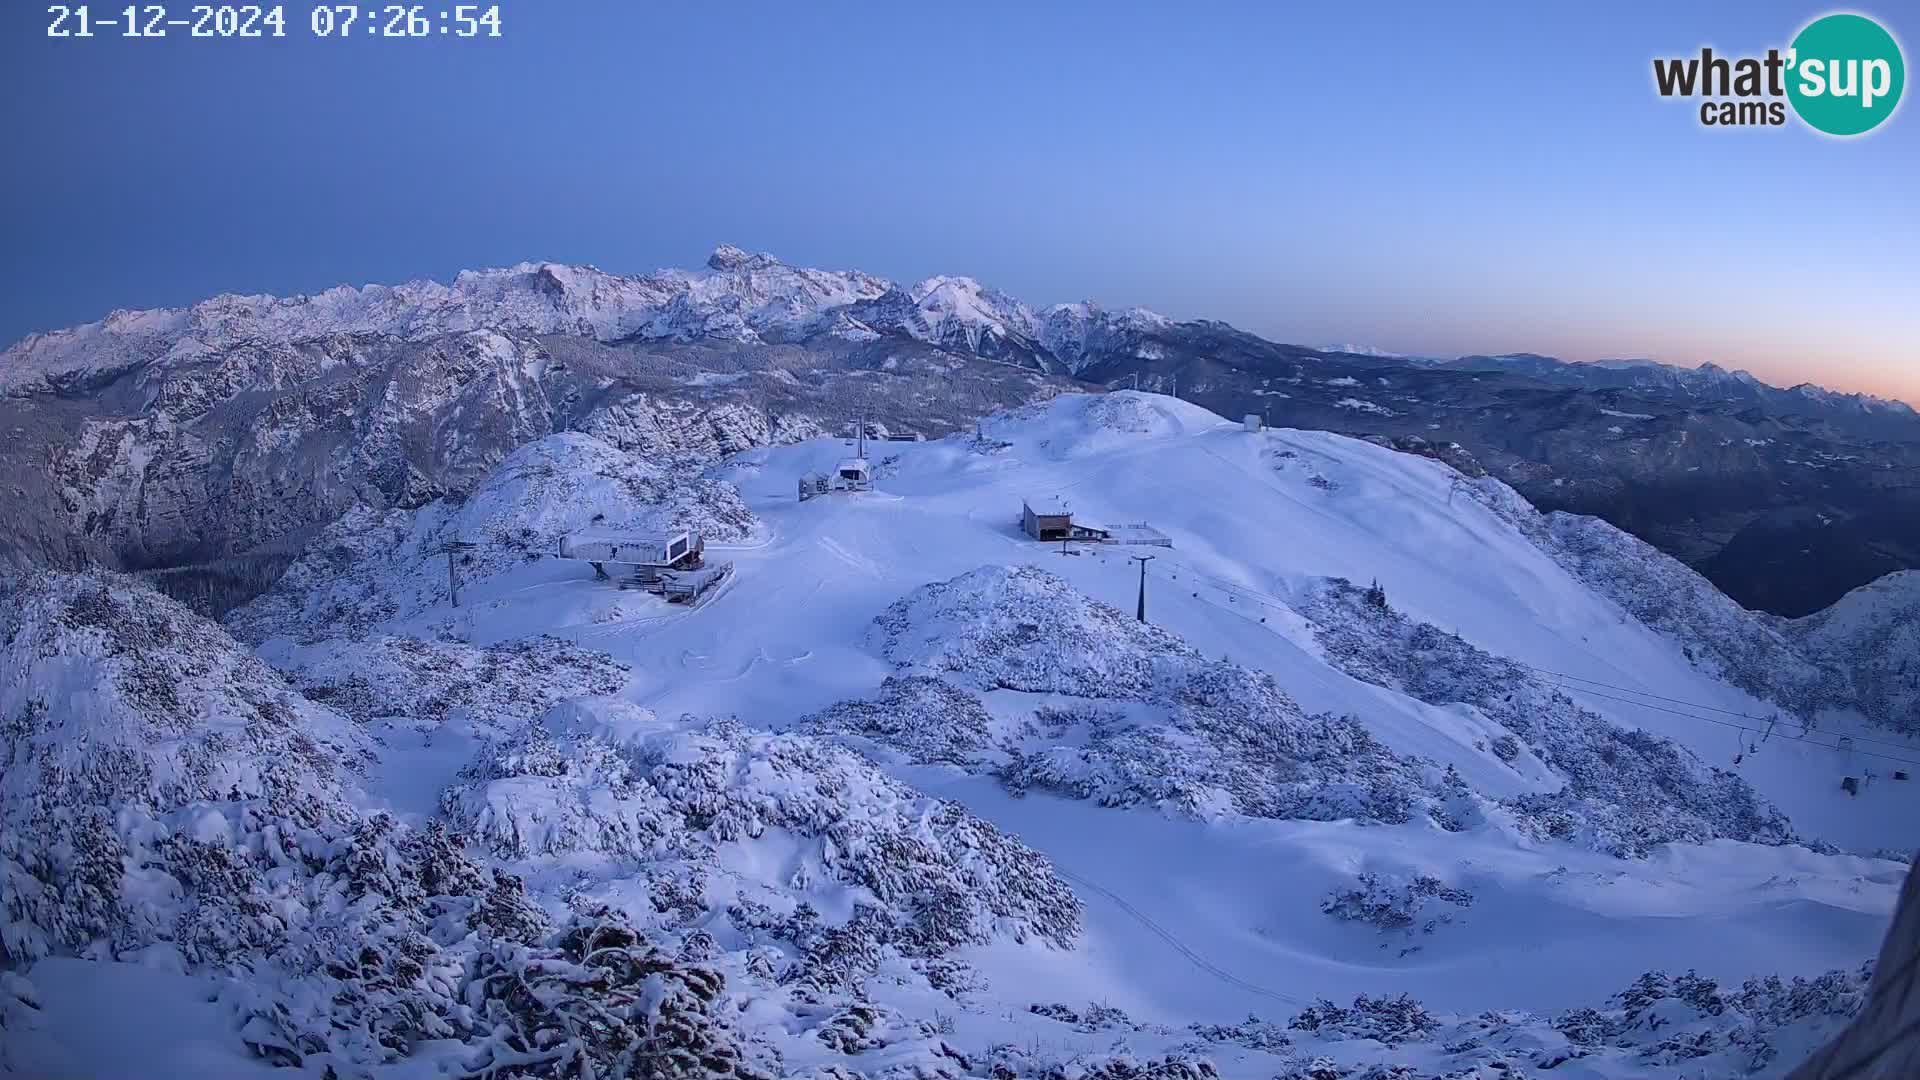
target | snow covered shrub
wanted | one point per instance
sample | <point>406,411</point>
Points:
<point>1667,1020</point>
<point>387,959</point>
<point>601,1003</point>
<point>1202,764</point>
<point>684,801</point>
<point>416,682</point>
<point>1420,903</point>
<point>1212,738</point>
<point>1095,1017</point>
<point>1660,1025</point>
<point>865,1026</point>
<point>1018,1063</point>
<point>928,718</point>
<point>1325,1068</point>
<point>1252,1033</point>
<point>124,712</point>
<point>1626,791</point>
<point>1390,1021</point>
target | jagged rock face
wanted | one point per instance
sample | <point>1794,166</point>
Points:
<point>249,449</point>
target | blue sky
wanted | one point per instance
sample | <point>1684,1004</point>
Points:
<point>1422,177</point>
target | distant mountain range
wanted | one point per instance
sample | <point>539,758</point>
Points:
<point>236,427</point>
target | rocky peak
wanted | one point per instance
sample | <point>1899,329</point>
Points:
<point>729,259</point>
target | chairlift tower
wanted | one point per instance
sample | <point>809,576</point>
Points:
<point>452,548</point>
<point>1141,612</point>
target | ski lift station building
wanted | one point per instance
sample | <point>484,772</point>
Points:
<point>853,474</point>
<point>681,550</point>
<point>672,565</point>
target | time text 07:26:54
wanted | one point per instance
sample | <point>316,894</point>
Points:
<point>271,21</point>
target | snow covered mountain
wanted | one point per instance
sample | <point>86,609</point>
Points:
<point>739,297</point>
<point>1707,381</point>
<point>912,795</point>
<point>212,441</point>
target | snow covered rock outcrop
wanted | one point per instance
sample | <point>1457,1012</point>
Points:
<point>373,566</point>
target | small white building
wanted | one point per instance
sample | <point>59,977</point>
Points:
<point>854,474</point>
<point>1253,422</point>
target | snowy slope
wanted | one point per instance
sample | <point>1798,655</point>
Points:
<point>890,621</point>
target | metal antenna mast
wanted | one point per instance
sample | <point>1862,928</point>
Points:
<point>1143,560</point>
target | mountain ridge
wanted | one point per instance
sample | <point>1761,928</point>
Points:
<point>667,303</point>
<point>238,426</point>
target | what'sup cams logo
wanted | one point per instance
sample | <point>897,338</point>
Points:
<point>1842,76</point>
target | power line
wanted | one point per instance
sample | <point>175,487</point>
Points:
<point>1742,727</point>
<point>1701,705</point>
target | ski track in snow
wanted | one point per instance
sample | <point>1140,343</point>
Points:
<point>1167,936</point>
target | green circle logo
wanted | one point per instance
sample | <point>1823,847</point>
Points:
<point>1845,74</point>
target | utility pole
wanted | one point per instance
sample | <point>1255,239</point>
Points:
<point>1136,380</point>
<point>1176,384</point>
<point>1143,560</point>
<point>453,570</point>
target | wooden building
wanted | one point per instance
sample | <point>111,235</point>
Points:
<point>1050,519</point>
<point>1047,519</point>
